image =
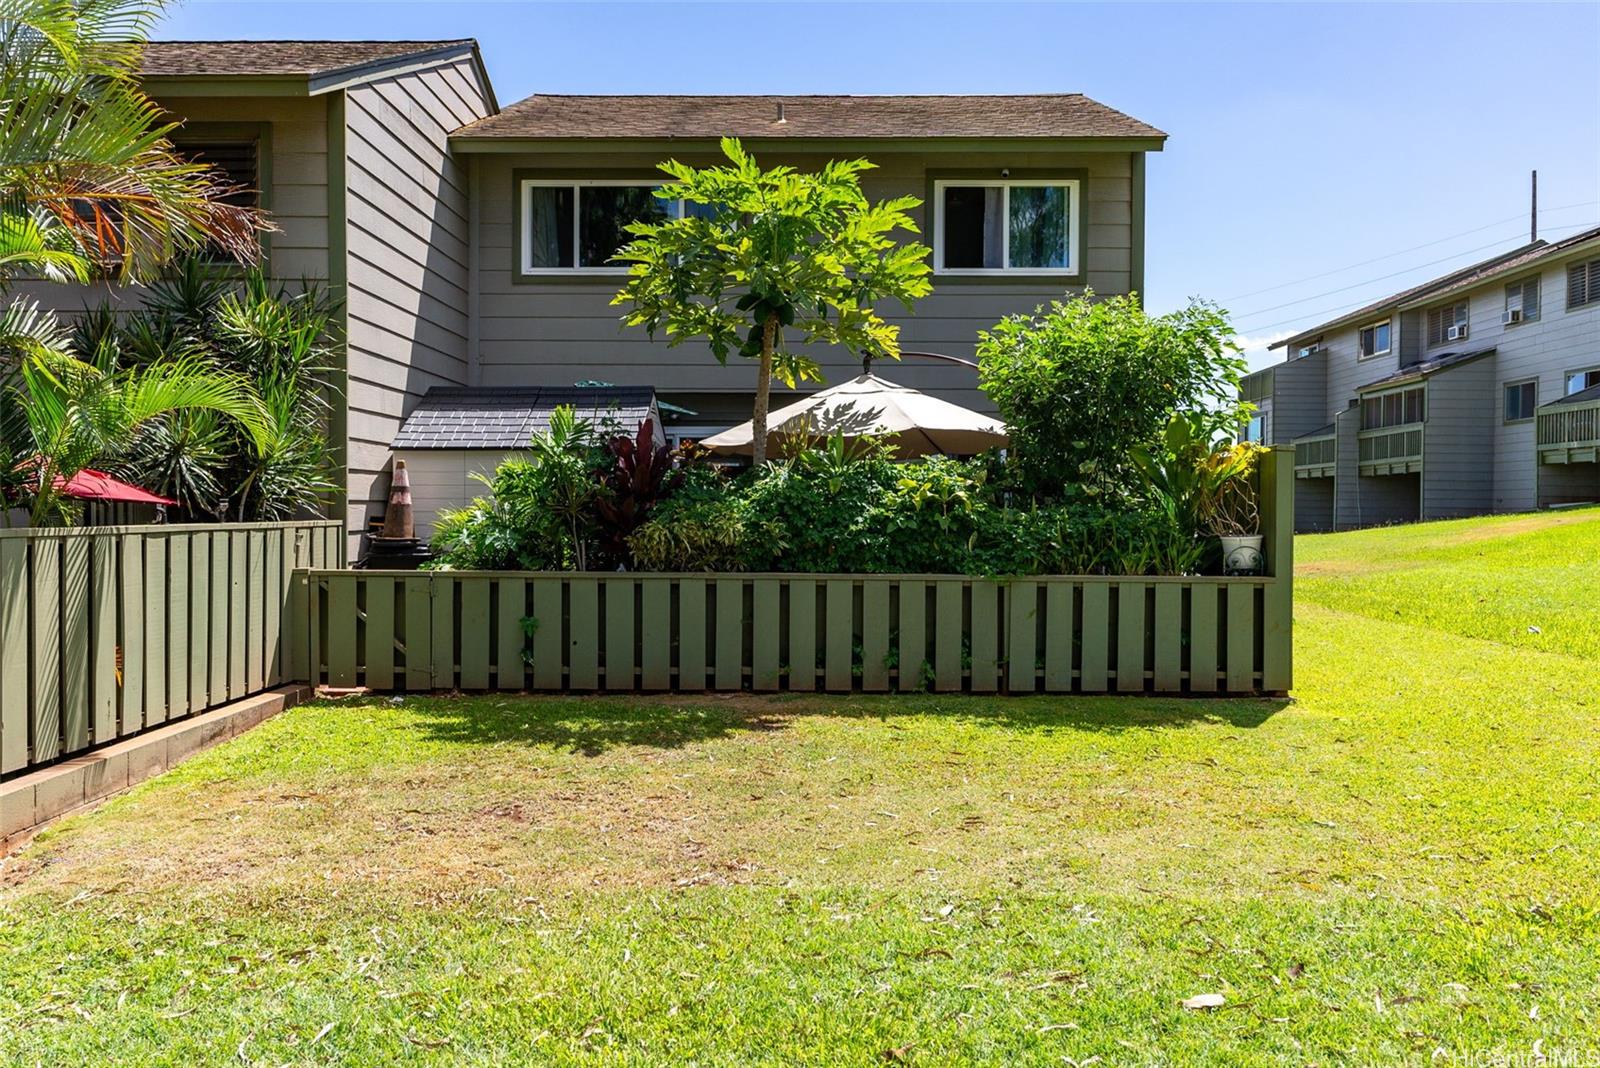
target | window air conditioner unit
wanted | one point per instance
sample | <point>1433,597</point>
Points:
<point>1456,333</point>
<point>1511,315</point>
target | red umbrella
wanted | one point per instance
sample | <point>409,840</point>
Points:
<point>90,485</point>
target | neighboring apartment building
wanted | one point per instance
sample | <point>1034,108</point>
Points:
<point>1475,392</point>
<point>471,242</point>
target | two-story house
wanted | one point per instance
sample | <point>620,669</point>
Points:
<point>1475,392</point>
<point>472,243</point>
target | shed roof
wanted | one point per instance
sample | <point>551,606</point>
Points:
<point>1583,396</point>
<point>478,418</point>
<point>1426,368</point>
<point>1055,115</point>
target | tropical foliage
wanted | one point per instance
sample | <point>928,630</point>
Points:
<point>758,255</point>
<point>1084,383</point>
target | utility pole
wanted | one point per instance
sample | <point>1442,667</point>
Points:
<point>1533,211</point>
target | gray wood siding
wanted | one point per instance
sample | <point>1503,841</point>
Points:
<point>1458,450</point>
<point>561,331</point>
<point>408,260</point>
<point>1346,372</point>
<point>1299,398</point>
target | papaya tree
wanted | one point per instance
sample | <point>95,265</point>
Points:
<point>758,258</point>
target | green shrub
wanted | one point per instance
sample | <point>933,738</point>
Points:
<point>1083,383</point>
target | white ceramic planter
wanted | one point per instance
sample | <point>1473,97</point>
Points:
<point>1241,555</point>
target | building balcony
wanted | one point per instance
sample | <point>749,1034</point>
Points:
<point>1569,429</point>
<point>1394,450</point>
<point>1316,453</point>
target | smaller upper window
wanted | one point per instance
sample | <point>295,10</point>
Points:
<point>1578,381</point>
<point>1374,340</point>
<point>1310,348</point>
<point>1522,302</point>
<point>1447,323</point>
<point>1583,284</point>
<point>238,164</point>
<point>1521,399</point>
<point>1023,226</point>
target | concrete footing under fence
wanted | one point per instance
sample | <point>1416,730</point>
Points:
<point>32,800</point>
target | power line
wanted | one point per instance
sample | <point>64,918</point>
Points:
<point>1402,252</point>
<point>1341,309</point>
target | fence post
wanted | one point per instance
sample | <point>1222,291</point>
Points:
<point>1277,527</point>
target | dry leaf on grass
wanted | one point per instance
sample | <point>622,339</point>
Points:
<point>1201,1002</point>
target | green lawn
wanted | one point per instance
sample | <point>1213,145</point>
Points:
<point>1399,865</point>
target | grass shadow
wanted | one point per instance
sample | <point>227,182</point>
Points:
<point>592,725</point>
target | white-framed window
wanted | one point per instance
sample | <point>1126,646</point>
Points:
<point>1374,340</point>
<point>1522,398</point>
<point>1445,320</point>
<point>577,226</point>
<point>1006,226</point>
<point>1583,284</point>
<point>1578,381</point>
<point>1522,302</point>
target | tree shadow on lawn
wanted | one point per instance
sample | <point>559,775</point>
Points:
<point>591,725</point>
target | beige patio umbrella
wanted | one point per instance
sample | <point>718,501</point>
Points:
<point>867,405</point>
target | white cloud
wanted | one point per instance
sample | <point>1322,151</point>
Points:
<point>1255,348</point>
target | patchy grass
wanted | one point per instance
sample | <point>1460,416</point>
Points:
<point>1399,863</point>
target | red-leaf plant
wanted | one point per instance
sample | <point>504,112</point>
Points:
<point>640,476</point>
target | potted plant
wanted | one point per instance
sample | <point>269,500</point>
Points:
<point>1207,488</point>
<point>1230,509</point>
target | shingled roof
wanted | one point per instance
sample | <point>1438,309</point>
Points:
<point>1065,115</point>
<point>479,418</point>
<point>218,59</point>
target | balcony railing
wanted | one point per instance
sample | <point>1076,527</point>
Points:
<point>1569,433</point>
<point>1395,450</point>
<point>1314,457</point>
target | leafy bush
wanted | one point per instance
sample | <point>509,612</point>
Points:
<point>1083,383</point>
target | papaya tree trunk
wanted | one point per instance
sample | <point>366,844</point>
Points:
<point>758,419</point>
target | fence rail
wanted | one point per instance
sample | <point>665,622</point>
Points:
<point>105,631</point>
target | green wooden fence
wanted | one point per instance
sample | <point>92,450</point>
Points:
<point>105,631</point>
<point>766,632</point>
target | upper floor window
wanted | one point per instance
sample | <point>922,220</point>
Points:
<point>1578,381</point>
<point>1447,323</point>
<point>239,163</point>
<point>1397,408</point>
<point>1583,284</point>
<point>1374,340</point>
<point>1025,226</point>
<point>1310,348</point>
<point>579,225</point>
<point>1522,302</point>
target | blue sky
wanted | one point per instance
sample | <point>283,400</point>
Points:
<point>1305,139</point>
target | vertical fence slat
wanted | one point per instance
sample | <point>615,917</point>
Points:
<point>255,626</point>
<point>475,644</point>
<point>1130,636</point>
<point>316,636</point>
<point>985,636</point>
<point>1058,636</point>
<point>729,672</point>
<point>1241,637</point>
<point>584,640</point>
<point>766,595</point>
<point>221,550</point>
<point>178,625</point>
<point>238,607</point>
<point>692,634</point>
<point>1169,637</point>
<point>619,633</point>
<point>342,630</point>
<point>838,634</point>
<point>947,635</point>
<point>155,629</point>
<point>875,635</point>
<point>911,652</point>
<point>379,652</point>
<point>132,704</point>
<point>45,660</point>
<point>547,639</point>
<point>656,633</point>
<point>1203,637</point>
<point>75,644</point>
<point>13,654</point>
<point>419,633</point>
<point>508,663</point>
<point>802,634</point>
<point>102,639</point>
<point>273,595</point>
<point>442,635</point>
<point>1096,645</point>
<point>1022,597</point>
<point>199,621</point>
